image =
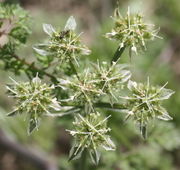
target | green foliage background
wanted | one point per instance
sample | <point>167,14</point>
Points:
<point>160,62</point>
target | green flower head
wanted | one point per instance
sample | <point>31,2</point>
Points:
<point>131,31</point>
<point>145,103</point>
<point>64,45</point>
<point>34,99</point>
<point>83,90</point>
<point>90,133</point>
<point>110,78</point>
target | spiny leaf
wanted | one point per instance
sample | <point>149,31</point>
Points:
<point>13,113</point>
<point>41,51</point>
<point>70,24</point>
<point>95,156</point>
<point>75,152</point>
<point>33,124</point>
<point>48,29</point>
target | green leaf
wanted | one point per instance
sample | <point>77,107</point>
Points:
<point>109,145</point>
<point>13,113</point>
<point>48,29</point>
<point>95,156</point>
<point>70,24</point>
<point>41,51</point>
<point>132,85</point>
<point>75,152</point>
<point>165,117</point>
<point>165,94</point>
<point>33,124</point>
<point>143,131</point>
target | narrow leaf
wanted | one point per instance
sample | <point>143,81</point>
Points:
<point>70,24</point>
<point>165,117</point>
<point>165,94</point>
<point>41,51</point>
<point>33,124</point>
<point>48,29</point>
<point>109,145</point>
<point>75,152</point>
<point>95,156</point>
<point>131,85</point>
<point>143,131</point>
<point>13,113</point>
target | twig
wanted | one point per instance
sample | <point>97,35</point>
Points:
<point>115,106</point>
<point>32,66</point>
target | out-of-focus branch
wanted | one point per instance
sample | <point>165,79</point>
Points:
<point>37,159</point>
<point>32,66</point>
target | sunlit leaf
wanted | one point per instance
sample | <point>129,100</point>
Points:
<point>75,152</point>
<point>70,24</point>
<point>48,29</point>
<point>95,156</point>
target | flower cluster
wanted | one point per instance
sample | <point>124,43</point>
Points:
<point>131,31</point>
<point>90,133</point>
<point>98,86</point>
<point>91,85</point>
<point>110,78</point>
<point>82,89</point>
<point>144,104</point>
<point>64,45</point>
<point>33,98</point>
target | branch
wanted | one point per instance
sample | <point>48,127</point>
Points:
<point>32,66</point>
<point>115,106</point>
<point>39,160</point>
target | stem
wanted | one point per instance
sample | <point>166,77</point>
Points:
<point>115,106</point>
<point>83,161</point>
<point>118,54</point>
<point>34,68</point>
<point>74,69</point>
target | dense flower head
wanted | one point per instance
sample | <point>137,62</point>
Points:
<point>83,89</point>
<point>131,31</point>
<point>34,99</point>
<point>90,132</point>
<point>145,103</point>
<point>110,78</point>
<point>95,83</point>
<point>64,45</point>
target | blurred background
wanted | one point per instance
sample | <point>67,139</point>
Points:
<point>47,149</point>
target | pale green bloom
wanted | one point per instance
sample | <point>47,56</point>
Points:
<point>90,132</point>
<point>111,78</point>
<point>34,99</point>
<point>82,90</point>
<point>131,31</point>
<point>64,45</point>
<point>145,103</point>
